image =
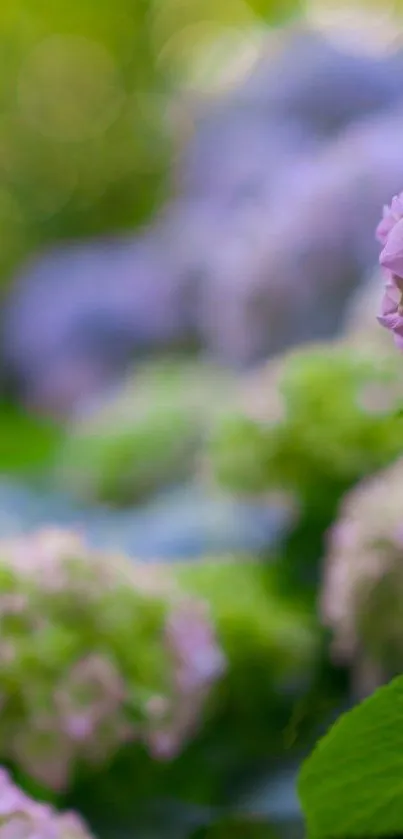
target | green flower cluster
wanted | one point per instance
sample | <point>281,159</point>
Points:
<point>149,434</point>
<point>317,419</point>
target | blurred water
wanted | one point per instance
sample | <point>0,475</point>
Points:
<point>185,523</point>
<point>190,522</point>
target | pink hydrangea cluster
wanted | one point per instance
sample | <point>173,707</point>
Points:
<point>362,589</point>
<point>390,233</point>
<point>99,652</point>
<point>23,818</point>
<point>84,720</point>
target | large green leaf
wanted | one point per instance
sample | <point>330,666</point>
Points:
<point>352,784</point>
<point>27,443</point>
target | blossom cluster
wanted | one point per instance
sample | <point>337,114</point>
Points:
<point>23,818</point>
<point>321,416</point>
<point>362,592</point>
<point>95,652</point>
<point>143,436</point>
<point>390,234</point>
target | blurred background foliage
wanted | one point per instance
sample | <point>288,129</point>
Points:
<point>91,106</point>
<point>88,117</point>
<point>220,479</point>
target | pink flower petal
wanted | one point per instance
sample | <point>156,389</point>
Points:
<point>396,207</point>
<point>392,254</point>
<point>389,303</point>
<point>385,226</point>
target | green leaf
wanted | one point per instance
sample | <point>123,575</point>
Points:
<point>352,784</point>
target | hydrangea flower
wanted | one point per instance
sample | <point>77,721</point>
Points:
<point>322,416</point>
<point>362,591</point>
<point>95,652</point>
<point>23,818</point>
<point>390,233</point>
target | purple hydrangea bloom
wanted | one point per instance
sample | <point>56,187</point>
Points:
<point>391,257</point>
<point>391,216</point>
<point>390,233</point>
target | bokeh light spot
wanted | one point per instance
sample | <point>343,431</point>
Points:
<point>362,27</point>
<point>69,88</point>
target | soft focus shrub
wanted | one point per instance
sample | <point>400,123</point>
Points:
<point>268,704</point>
<point>254,621</point>
<point>82,121</point>
<point>94,653</point>
<point>23,818</point>
<point>85,93</point>
<point>146,435</point>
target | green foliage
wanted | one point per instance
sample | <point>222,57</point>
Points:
<point>83,145</point>
<point>273,644</point>
<point>335,422</point>
<point>351,785</point>
<point>148,435</point>
<point>252,618</point>
<point>236,828</point>
<point>272,647</point>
